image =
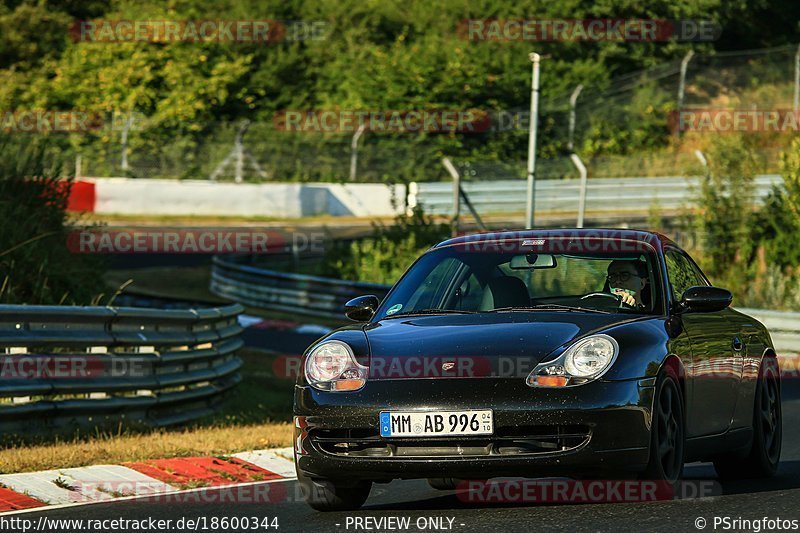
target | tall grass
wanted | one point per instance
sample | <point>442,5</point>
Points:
<point>36,267</point>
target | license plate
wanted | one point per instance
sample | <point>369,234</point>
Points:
<point>436,423</point>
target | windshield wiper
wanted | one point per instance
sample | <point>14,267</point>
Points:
<point>552,307</point>
<point>432,311</point>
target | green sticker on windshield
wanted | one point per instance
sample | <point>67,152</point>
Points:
<point>393,309</point>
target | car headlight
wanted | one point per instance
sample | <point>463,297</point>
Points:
<point>331,366</point>
<point>582,362</point>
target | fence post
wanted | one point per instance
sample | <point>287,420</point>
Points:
<point>573,100</point>
<point>703,161</point>
<point>237,155</point>
<point>354,152</point>
<point>682,84</point>
<point>125,129</point>
<point>797,80</point>
<point>584,183</point>
<point>534,122</point>
<point>238,176</point>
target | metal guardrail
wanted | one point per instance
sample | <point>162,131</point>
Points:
<point>634,195</point>
<point>783,326</point>
<point>66,367</point>
<point>283,291</point>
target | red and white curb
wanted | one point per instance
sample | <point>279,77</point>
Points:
<point>157,477</point>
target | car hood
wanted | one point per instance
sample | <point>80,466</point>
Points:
<point>485,340</point>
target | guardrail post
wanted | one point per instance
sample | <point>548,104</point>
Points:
<point>456,194</point>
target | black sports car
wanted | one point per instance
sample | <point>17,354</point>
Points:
<point>577,353</point>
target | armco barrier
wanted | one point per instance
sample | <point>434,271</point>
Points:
<point>64,367</point>
<point>634,195</point>
<point>232,278</point>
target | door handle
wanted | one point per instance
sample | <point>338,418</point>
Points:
<point>738,345</point>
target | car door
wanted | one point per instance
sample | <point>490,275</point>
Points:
<point>715,368</point>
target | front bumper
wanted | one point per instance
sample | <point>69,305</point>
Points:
<point>600,427</point>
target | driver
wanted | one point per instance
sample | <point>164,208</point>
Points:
<point>626,279</point>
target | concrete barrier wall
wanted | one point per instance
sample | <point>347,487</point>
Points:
<point>126,196</point>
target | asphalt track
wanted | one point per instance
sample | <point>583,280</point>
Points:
<point>776,498</point>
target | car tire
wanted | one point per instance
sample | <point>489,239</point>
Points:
<point>668,431</point>
<point>444,483</point>
<point>330,495</point>
<point>761,461</point>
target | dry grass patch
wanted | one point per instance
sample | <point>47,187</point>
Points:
<point>115,449</point>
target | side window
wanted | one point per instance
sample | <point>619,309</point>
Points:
<point>682,274</point>
<point>468,296</point>
<point>433,288</point>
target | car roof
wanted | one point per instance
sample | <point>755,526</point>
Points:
<point>657,240</point>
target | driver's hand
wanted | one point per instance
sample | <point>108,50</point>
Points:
<point>626,298</point>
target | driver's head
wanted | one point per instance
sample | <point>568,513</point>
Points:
<point>627,274</point>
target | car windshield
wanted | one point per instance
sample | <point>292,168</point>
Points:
<point>464,279</point>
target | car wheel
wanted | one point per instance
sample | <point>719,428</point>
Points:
<point>765,452</point>
<point>444,483</point>
<point>330,495</point>
<point>667,434</point>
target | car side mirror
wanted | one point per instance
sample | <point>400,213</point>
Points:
<point>362,308</point>
<point>706,299</point>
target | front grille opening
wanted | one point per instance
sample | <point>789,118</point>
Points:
<point>529,440</point>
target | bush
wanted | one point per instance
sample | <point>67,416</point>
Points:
<point>35,265</point>
<point>726,202</point>
<point>755,254</point>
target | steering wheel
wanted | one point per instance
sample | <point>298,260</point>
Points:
<point>615,297</point>
<point>603,294</point>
